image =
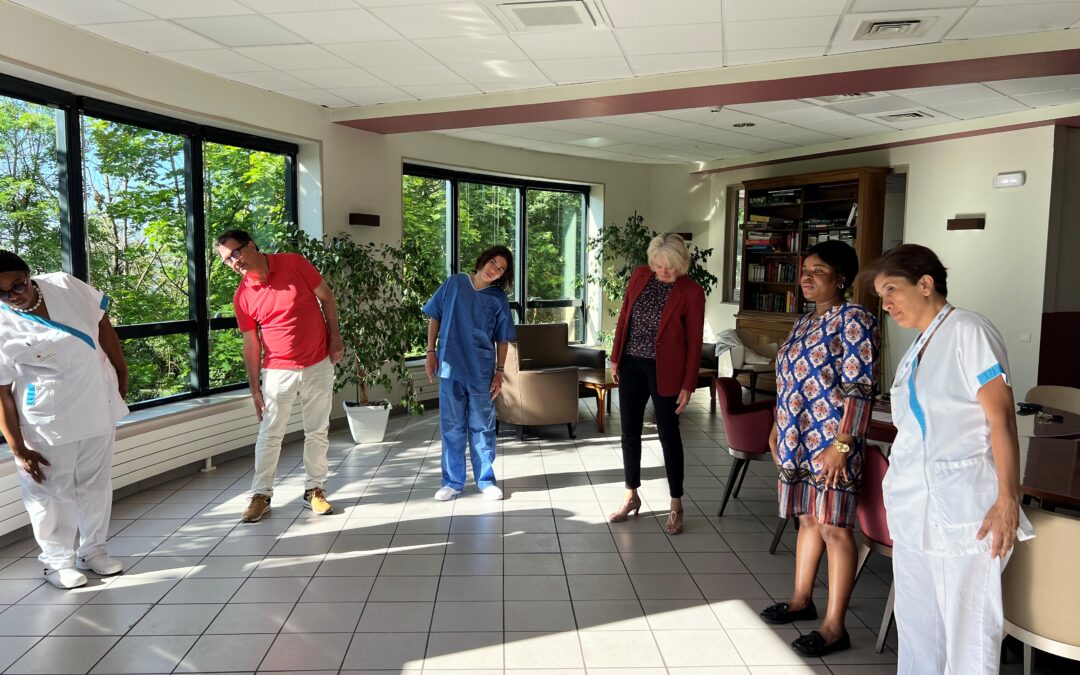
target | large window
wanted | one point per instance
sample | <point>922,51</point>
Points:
<point>451,217</point>
<point>131,202</point>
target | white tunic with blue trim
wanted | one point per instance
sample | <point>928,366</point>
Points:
<point>64,385</point>
<point>941,479</point>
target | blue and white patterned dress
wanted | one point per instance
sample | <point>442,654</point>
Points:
<point>825,387</point>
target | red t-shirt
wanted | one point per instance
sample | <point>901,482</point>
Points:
<point>284,308</point>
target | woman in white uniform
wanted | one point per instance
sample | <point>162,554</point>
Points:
<point>951,492</point>
<point>62,383</point>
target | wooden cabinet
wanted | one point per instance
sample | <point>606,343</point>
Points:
<point>783,217</point>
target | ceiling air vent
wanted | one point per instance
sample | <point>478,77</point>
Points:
<point>545,15</point>
<point>893,29</point>
<point>843,98</point>
<point>906,116</point>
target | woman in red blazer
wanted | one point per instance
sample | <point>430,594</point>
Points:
<point>657,354</point>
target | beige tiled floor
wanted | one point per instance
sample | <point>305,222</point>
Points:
<point>396,582</point>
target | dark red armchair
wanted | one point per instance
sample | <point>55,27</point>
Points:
<point>747,427</point>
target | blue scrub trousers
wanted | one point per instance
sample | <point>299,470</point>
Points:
<point>466,413</point>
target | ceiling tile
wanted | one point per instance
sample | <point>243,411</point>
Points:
<point>524,73</point>
<point>275,6</point>
<point>960,93</point>
<point>472,48</point>
<point>756,10</point>
<point>982,108</point>
<point>811,31</point>
<point>670,39</point>
<point>152,36</point>
<point>440,20</point>
<point>480,134</point>
<point>626,13</point>
<point>215,61</point>
<point>595,142</point>
<point>539,46</point>
<point>329,78</point>
<point>87,12</point>
<point>270,79</point>
<point>416,76</point>
<point>1050,98</point>
<point>353,25</point>
<point>318,97</point>
<point>944,20</point>
<point>426,91</point>
<point>537,133</point>
<point>1035,85</point>
<point>655,64</point>
<point>913,123</point>
<point>725,117</point>
<point>808,113</point>
<point>569,71</point>
<point>906,5</point>
<point>847,127</point>
<point>242,31</point>
<point>395,53</point>
<point>869,106</point>
<point>172,9</point>
<point>371,95</point>
<point>767,107</point>
<point>294,57</point>
<point>743,57</point>
<point>1010,19</point>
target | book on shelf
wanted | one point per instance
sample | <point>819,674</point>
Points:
<point>761,242</point>
<point>756,220</point>
<point>772,272</point>
<point>777,198</point>
<point>814,239</point>
<point>854,212</point>
<point>775,302</point>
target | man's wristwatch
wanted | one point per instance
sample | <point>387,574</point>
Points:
<point>842,447</point>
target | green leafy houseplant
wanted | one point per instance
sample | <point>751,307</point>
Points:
<point>378,307</point>
<point>622,249</point>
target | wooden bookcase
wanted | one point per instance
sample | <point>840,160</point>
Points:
<point>786,216</point>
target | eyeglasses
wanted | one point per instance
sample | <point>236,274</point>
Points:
<point>16,289</point>
<point>234,255</point>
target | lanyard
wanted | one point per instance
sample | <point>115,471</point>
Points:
<point>920,343</point>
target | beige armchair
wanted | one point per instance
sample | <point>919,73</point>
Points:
<point>540,382</point>
<point>1039,586</point>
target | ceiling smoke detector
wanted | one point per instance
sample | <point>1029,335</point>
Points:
<point>893,29</point>
<point>545,15</point>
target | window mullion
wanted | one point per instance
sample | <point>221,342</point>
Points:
<point>73,240</point>
<point>198,290</point>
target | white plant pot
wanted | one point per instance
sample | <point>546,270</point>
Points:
<point>367,422</point>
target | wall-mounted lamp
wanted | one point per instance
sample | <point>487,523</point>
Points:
<point>1007,179</point>
<point>369,219</point>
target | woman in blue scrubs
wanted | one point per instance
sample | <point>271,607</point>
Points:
<point>470,317</point>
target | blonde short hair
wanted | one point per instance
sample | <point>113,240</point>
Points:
<point>671,249</point>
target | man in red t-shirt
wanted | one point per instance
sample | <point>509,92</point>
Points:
<point>289,321</point>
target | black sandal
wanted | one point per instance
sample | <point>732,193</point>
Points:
<point>779,613</point>
<point>812,644</point>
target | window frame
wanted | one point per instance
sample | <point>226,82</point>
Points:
<point>520,306</point>
<point>733,231</point>
<point>73,232</point>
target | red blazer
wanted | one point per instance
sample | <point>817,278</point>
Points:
<point>678,339</point>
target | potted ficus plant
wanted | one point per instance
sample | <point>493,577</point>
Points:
<point>379,314</point>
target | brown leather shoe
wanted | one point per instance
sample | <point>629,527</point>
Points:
<point>258,507</point>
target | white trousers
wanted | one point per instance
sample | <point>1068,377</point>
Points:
<point>75,500</point>
<point>949,614</point>
<point>315,387</point>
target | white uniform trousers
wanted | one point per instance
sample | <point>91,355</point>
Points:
<point>315,387</point>
<point>949,614</point>
<point>74,500</point>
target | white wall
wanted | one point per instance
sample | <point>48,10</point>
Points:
<point>998,271</point>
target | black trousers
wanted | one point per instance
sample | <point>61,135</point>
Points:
<point>637,384</point>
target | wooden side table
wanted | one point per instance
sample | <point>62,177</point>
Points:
<point>600,381</point>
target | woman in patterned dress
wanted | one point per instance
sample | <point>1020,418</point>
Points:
<point>825,387</point>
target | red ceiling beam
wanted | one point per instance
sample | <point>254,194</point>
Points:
<point>1016,66</point>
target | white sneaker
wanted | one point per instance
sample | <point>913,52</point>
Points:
<point>66,578</point>
<point>492,493</point>
<point>100,564</point>
<point>446,493</point>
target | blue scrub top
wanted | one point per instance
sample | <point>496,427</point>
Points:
<point>470,323</point>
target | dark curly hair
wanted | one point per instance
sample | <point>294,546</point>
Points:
<point>839,256</point>
<point>507,279</point>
